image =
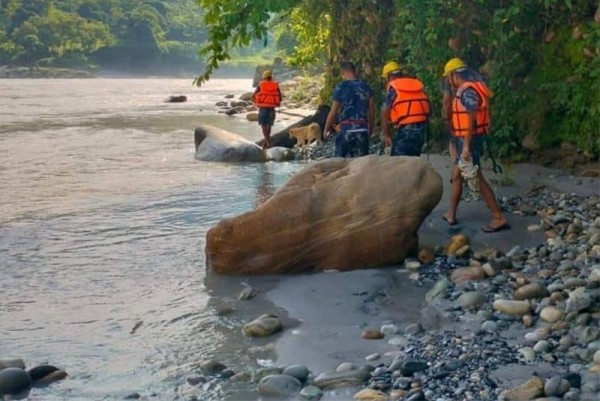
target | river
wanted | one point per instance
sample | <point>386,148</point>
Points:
<point>103,216</point>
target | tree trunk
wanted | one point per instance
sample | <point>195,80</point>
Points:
<point>359,33</point>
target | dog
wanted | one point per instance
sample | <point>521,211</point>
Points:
<point>305,135</point>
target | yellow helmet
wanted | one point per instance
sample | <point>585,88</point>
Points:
<point>452,65</point>
<point>267,74</point>
<point>389,67</point>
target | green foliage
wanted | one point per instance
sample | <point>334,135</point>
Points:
<point>115,34</point>
<point>541,58</point>
<point>235,23</point>
<point>304,35</point>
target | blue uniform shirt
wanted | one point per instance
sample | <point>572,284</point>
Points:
<point>353,96</point>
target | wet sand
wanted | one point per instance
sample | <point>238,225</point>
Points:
<point>326,312</point>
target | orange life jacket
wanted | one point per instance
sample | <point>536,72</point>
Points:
<point>268,94</point>
<point>460,115</point>
<point>411,104</point>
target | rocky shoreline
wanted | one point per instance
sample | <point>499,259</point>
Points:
<point>511,323</point>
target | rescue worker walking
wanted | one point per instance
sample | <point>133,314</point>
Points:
<point>406,107</point>
<point>470,122</point>
<point>266,97</point>
<point>354,100</point>
<point>448,94</point>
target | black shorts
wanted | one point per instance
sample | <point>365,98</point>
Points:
<point>266,116</point>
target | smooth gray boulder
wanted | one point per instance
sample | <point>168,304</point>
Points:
<point>217,145</point>
<point>14,381</point>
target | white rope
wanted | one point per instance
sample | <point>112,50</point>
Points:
<point>469,172</point>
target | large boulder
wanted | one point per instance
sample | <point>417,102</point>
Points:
<point>215,144</point>
<point>341,214</point>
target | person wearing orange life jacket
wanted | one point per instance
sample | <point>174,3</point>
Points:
<point>448,94</point>
<point>470,121</point>
<point>406,106</point>
<point>267,96</point>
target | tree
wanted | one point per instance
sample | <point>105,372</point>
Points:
<point>358,30</point>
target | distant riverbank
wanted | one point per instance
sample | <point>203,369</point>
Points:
<point>42,72</point>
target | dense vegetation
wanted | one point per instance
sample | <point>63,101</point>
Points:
<point>542,57</point>
<point>142,36</point>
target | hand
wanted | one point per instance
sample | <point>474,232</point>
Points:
<point>387,141</point>
<point>465,155</point>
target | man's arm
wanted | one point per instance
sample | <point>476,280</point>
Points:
<point>371,115</point>
<point>471,100</point>
<point>385,126</point>
<point>335,108</point>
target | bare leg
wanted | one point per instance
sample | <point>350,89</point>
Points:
<point>266,130</point>
<point>452,150</point>
<point>455,194</point>
<point>488,196</point>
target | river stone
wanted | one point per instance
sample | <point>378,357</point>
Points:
<point>551,314</point>
<point>14,381</point>
<point>279,385</point>
<point>368,394</point>
<point>512,307</point>
<point>595,274</point>
<point>426,255</point>
<point>314,221</point>
<point>438,289</point>
<point>46,374</point>
<point>262,326</point>
<point>218,145</point>
<point>299,372</point>
<point>372,335</point>
<point>279,154</point>
<point>311,393</point>
<point>211,367</point>
<point>456,242</point>
<point>556,386</point>
<point>527,391</point>
<point>471,299</point>
<point>350,378</point>
<point>465,274</point>
<point>596,358</point>
<point>412,366</point>
<point>346,366</point>
<point>12,363</point>
<point>578,300</point>
<point>530,291</point>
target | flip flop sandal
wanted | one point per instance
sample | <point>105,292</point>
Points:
<point>488,229</point>
<point>450,223</point>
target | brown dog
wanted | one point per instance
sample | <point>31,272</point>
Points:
<point>305,135</point>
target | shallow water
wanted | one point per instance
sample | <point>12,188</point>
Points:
<point>103,215</point>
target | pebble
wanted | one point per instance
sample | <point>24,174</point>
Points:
<point>299,372</point>
<point>279,385</point>
<point>556,386</point>
<point>512,307</point>
<point>551,314</point>
<point>372,335</point>
<point>311,393</point>
<point>263,326</point>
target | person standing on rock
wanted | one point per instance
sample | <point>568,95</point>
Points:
<point>267,96</point>
<point>354,101</point>
<point>406,106</point>
<point>470,123</point>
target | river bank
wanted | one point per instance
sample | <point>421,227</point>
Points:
<point>325,315</point>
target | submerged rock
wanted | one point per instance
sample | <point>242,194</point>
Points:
<point>279,385</point>
<point>262,326</point>
<point>215,144</point>
<point>14,381</point>
<point>315,221</point>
